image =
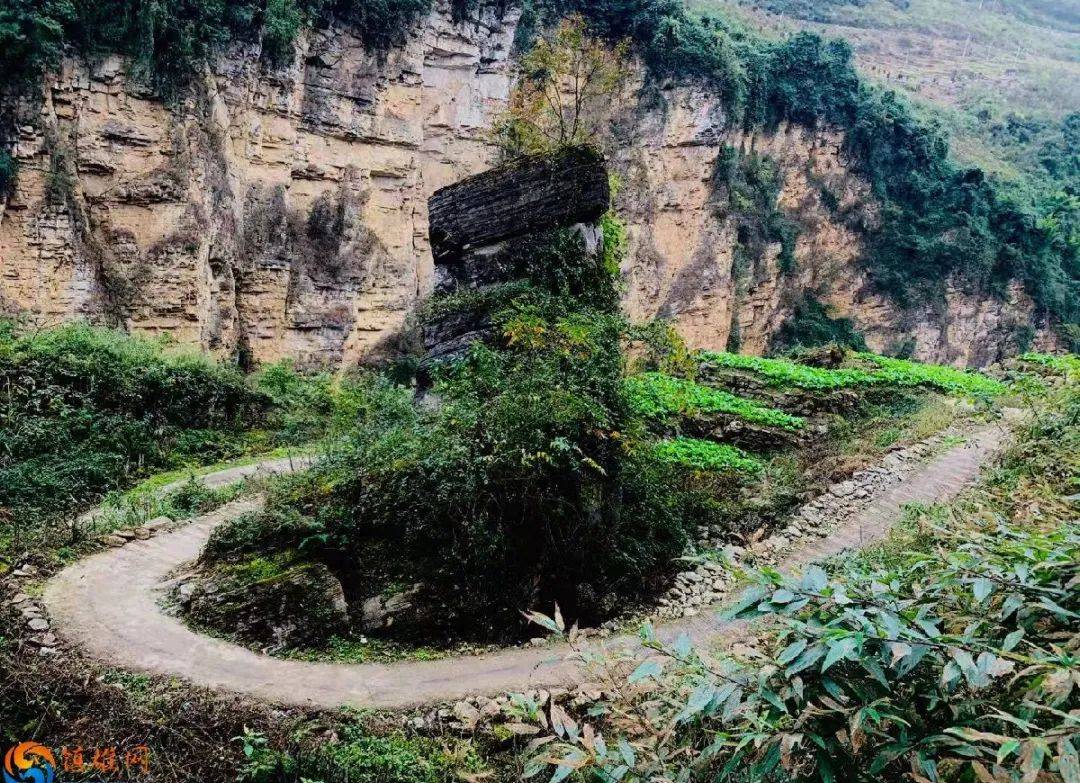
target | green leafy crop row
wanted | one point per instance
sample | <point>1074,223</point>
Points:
<point>656,395</point>
<point>903,372</point>
<point>706,455</point>
<point>1064,363</point>
<point>882,371</point>
<point>784,373</point>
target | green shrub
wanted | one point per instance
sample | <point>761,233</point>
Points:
<point>707,455</point>
<point>368,759</point>
<point>357,757</point>
<point>278,530</point>
<point>84,410</point>
<point>518,486</point>
<point>655,395</point>
<point>308,407</point>
<point>529,482</point>
<point>811,325</point>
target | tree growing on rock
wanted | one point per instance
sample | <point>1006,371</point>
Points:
<point>567,85</point>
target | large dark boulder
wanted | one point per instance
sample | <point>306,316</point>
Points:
<point>485,231</point>
<point>527,196</point>
<point>296,607</point>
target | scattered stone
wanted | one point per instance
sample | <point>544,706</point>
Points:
<point>127,535</point>
<point>114,541</point>
<point>42,640</point>
<point>20,598</point>
<point>521,729</point>
<point>37,624</point>
<point>844,489</point>
<point>467,714</point>
<point>142,533</point>
<point>157,523</point>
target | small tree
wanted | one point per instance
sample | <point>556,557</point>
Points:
<point>568,83</point>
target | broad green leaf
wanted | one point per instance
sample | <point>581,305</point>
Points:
<point>1069,766</point>
<point>808,658</point>
<point>791,652</point>
<point>1010,605</point>
<point>838,650</point>
<point>982,588</point>
<point>814,579</point>
<point>561,773</point>
<point>682,646</point>
<point>782,596</point>
<point>750,598</point>
<point>1012,640</point>
<point>1058,609</point>
<point>649,668</point>
<point>1007,749</point>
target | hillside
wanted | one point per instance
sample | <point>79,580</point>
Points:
<point>348,348</point>
<point>1003,77</point>
<point>263,195</point>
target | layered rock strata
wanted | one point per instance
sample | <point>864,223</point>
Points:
<point>283,213</point>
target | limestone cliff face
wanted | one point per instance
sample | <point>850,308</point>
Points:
<point>689,262</point>
<point>282,213</point>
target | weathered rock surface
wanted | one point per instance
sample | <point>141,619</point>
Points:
<point>528,196</point>
<point>283,213</point>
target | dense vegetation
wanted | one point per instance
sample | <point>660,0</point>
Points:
<point>810,324</point>
<point>85,411</point>
<point>949,653</point>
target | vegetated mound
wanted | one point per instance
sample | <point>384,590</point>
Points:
<point>85,411</point>
<point>543,466</point>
